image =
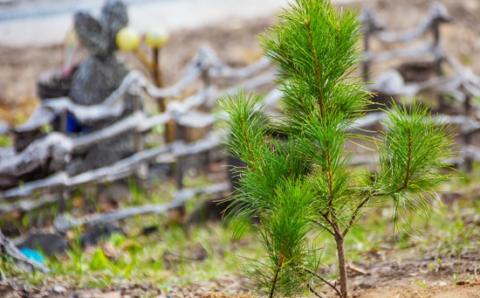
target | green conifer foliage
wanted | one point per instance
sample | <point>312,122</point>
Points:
<point>306,184</point>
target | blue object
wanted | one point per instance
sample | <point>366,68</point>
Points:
<point>73,125</point>
<point>33,255</point>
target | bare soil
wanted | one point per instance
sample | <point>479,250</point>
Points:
<point>464,291</point>
<point>383,275</point>
<point>416,278</point>
<point>234,42</point>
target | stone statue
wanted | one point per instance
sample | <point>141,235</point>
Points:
<point>96,78</point>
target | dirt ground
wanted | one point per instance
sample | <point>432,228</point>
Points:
<point>470,291</point>
<point>234,43</point>
<point>417,278</point>
<point>388,279</point>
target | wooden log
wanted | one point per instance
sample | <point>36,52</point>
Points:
<point>113,106</point>
<point>118,170</point>
<point>438,13</point>
<point>221,70</point>
<point>63,224</point>
<point>27,205</point>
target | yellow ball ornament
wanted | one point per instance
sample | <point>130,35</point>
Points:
<point>156,37</point>
<point>128,39</point>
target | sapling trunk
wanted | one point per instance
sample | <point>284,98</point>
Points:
<point>342,266</point>
<point>305,184</point>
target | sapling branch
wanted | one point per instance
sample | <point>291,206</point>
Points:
<point>355,214</point>
<point>324,227</point>
<point>312,290</point>
<point>323,280</point>
<point>275,277</point>
<point>335,227</point>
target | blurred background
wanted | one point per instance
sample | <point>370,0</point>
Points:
<point>32,33</point>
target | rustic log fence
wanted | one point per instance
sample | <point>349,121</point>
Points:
<point>205,66</point>
<point>463,85</point>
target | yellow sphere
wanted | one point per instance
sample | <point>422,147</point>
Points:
<point>128,39</point>
<point>156,37</point>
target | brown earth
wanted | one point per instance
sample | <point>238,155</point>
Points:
<point>415,278</point>
<point>465,291</point>
<point>418,278</point>
<point>234,43</point>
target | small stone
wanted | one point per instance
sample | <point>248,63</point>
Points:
<point>59,289</point>
<point>89,293</point>
<point>442,284</point>
<point>111,295</point>
<point>137,293</point>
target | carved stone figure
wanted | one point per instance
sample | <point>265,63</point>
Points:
<point>96,78</point>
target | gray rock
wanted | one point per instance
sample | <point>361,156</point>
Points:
<point>48,243</point>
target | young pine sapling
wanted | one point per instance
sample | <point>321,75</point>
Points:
<point>306,184</point>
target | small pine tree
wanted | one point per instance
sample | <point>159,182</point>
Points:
<point>305,184</point>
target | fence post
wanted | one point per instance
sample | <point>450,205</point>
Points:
<point>157,72</point>
<point>366,40</point>
<point>439,15</point>
<point>170,125</point>
<point>177,215</point>
<point>467,136</point>
<point>438,59</point>
<point>436,45</point>
<point>61,191</point>
<point>142,172</point>
<point>63,121</point>
<point>371,25</point>
<point>162,102</point>
<point>179,136</point>
<point>207,81</point>
<point>181,132</point>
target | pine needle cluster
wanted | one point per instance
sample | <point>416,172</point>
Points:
<point>306,184</point>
